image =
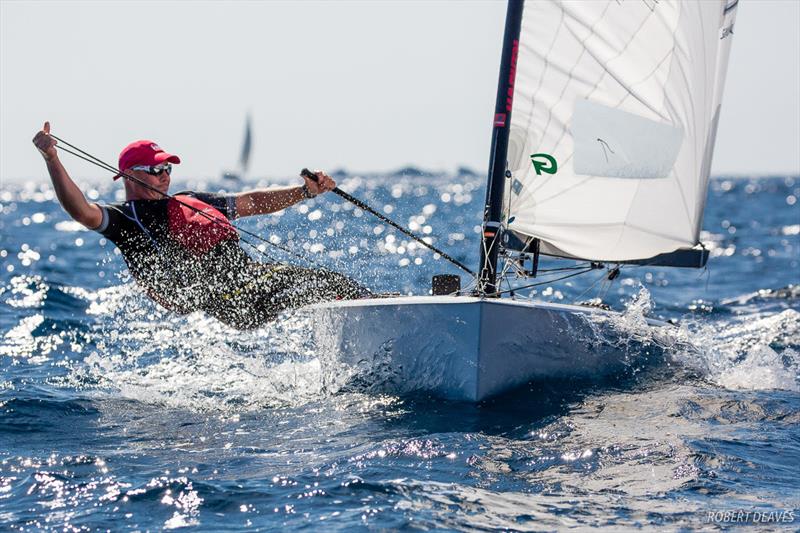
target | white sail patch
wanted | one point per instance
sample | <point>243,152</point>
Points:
<point>618,144</point>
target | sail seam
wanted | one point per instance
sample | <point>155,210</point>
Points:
<point>544,70</point>
<point>703,181</point>
<point>584,51</point>
<point>692,124</point>
<point>628,92</point>
<point>574,224</point>
<point>561,192</point>
<point>569,74</point>
<point>655,233</point>
<point>639,184</point>
<point>534,95</point>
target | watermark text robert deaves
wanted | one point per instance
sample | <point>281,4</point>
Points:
<point>739,516</point>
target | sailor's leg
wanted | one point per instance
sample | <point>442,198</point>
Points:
<point>240,303</point>
<point>303,286</point>
<point>272,289</point>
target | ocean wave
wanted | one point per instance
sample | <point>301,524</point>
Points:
<point>753,352</point>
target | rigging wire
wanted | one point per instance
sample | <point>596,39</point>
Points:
<point>606,285</point>
<point>498,293</point>
<point>486,252</point>
<point>509,264</point>
<point>564,269</point>
<point>590,287</point>
<point>502,275</point>
<point>473,283</point>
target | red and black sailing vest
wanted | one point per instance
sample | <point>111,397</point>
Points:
<point>197,226</point>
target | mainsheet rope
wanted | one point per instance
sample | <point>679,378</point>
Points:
<point>383,218</point>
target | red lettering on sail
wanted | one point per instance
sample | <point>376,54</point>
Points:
<point>512,76</point>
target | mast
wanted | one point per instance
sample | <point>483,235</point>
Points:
<point>492,226</point>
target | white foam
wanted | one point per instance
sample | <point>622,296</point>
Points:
<point>631,329</point>
<point>763,368</point>
<point>739,354</point>
<point>748,352</point>
<point>195,362</point>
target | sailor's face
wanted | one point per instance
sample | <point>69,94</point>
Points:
<point>159,181</point>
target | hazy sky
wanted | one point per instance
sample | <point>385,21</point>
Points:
<point>366,86</point>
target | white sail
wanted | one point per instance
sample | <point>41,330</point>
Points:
<point>244,157</point>
<point>623,98</point>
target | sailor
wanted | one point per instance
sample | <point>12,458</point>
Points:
<point>187,261</point>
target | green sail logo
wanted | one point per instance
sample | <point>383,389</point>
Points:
<point>544,163</point>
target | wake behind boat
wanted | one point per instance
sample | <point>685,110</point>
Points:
<point>602,141</point>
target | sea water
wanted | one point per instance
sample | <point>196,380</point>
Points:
<point>117,415</point>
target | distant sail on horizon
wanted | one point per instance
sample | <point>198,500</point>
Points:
<point>244,158</point>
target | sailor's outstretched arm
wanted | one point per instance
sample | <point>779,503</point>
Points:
<point>261,202</point>
<point>69,195</point>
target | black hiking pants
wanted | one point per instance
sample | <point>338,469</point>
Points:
<point>265,290</point>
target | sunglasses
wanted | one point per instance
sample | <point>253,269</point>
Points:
<point>155,170</point>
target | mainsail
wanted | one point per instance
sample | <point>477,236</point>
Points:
<point>615,110</point>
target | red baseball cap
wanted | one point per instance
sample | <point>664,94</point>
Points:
<point>143,153</point>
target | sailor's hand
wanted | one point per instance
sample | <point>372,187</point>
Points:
<point>324,183</point>
<point>45,143</point>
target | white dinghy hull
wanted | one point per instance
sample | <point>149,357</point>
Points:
<point>465,348</point>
